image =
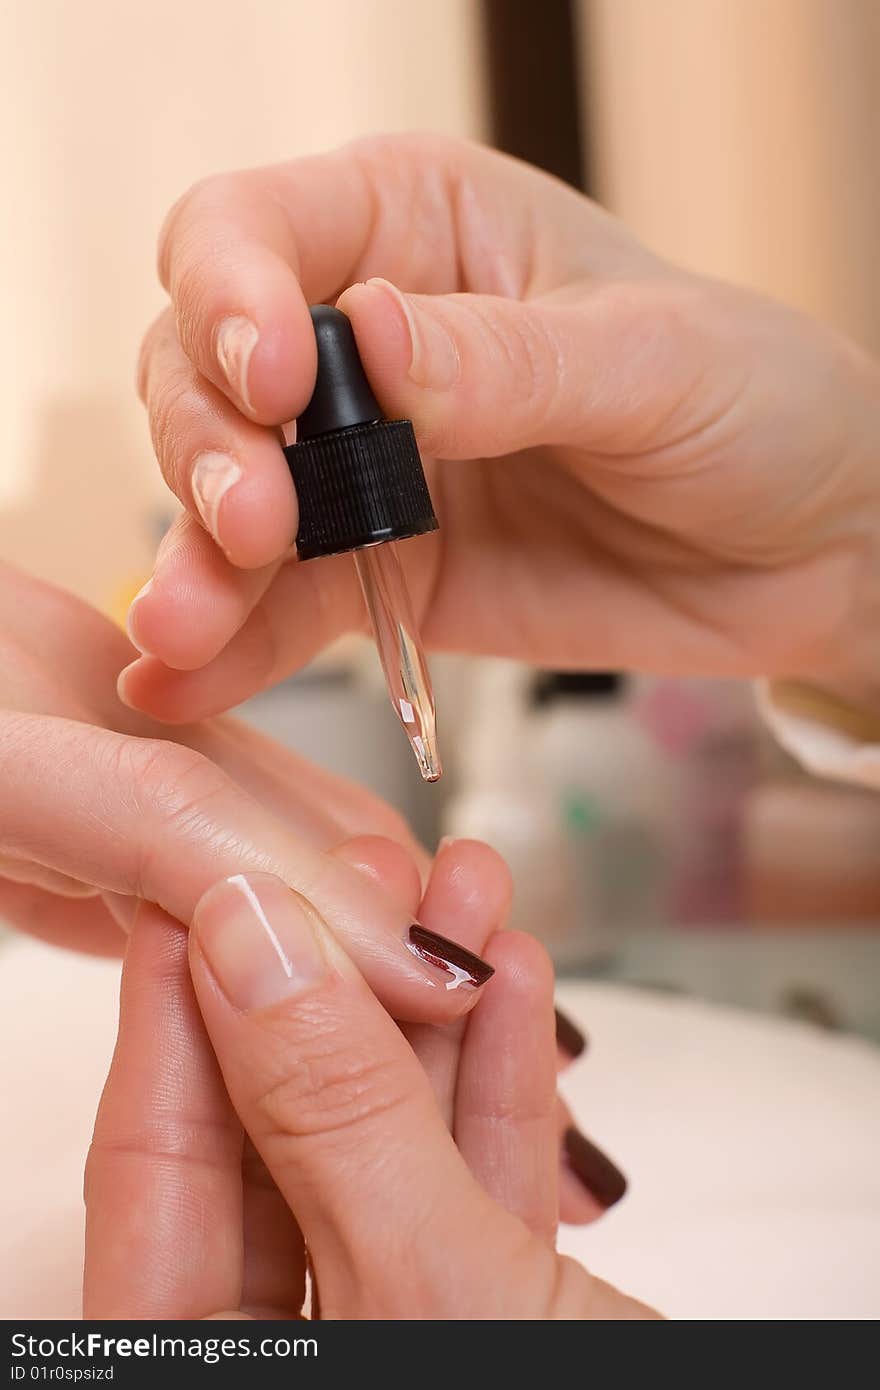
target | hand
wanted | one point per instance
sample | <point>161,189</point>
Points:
<point>98,812</point>
<point>643,468</point>
<point>94,803</point>
<point>321,1129</point>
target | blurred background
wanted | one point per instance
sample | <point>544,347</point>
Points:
<point>678,848</point>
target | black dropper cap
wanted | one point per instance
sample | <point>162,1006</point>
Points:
<point>359,479</point>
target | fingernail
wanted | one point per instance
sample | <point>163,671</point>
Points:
<point>444,842</point>
<point>462,965</point>
<point>123,909</point>
<point>131,617</point>
<point>122,683</point>
<point>596,1171</point>
<point>259,938</point>
<point>213,475</point>
<point>434,360</point>
<point>236,339</point>
<point>568,1036</point>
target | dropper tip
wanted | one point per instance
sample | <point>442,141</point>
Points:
<point>427,758</point>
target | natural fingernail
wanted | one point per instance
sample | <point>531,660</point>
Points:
<point>123,909</point>
<point>122,681</point>
<point>237,337</point>
<point>569,1037</point>
<point>131,617</point>
<point>463,967</point>
<point>213,475</point>
<point>434,360</point>
<point>260,940</point>
<point>595,1170</point>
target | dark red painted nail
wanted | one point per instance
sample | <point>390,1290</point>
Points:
<point>595,1170</point>
<point>464,967</point>
<point>568,1036</point>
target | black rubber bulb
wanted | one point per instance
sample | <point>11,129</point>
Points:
<point>342,396</point>
<point>359,479</point>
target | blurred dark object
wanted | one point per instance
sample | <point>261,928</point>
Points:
<point>590,685</point>
<point>811,1006</point>
<point>533,83</point>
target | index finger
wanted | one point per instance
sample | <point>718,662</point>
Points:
<point>242,256</point>
<point>157,821</point>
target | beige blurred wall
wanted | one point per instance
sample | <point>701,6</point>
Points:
<point>740,137</point>
<point>109,110</point>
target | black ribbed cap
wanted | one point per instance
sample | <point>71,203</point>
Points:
<point>359,479</point>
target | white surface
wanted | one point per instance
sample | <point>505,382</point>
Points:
<point>752,1147</point>
<point>753,1150</point>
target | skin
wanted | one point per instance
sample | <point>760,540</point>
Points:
<point>641,468</point>
<point>283,1106</point>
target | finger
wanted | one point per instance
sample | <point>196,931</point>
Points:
<point>228,472</point>
<point>159,821</point>
<point>505,1104</point>
<point>589,1181</point>
<point>45,631</point>
<point>318,805</point>
<point>305,609</point>
<point>273,1256</point>
<point>486,375</point>
<point>387,864</point>
<point>571,1041</point>
<point>78,924</point>
<point>195,600</point>
<point>229,258</point>
<point>274,1274</point>
<point>467,897</point>
<point>163,1178</point>
<point>327,1088</point>
<point>18,870</point>
<point>236,249</point>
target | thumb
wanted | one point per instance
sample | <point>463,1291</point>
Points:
<point>481,375</point>
<point>333,1099</point>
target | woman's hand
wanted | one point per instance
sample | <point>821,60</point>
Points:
<point>95,803</point>
<point>98,811</point>
<point>645,469</point>
<point>322,1128</point>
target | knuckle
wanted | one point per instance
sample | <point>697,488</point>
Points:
<point>195,237</point>
<point>183,219</point>
<point>166,396</point>
<point>170,789</point>
<point>173,777</point>
<point>525,349</point>
<point>175,402</point>
<point>537,359</point>
<point>327,1090</point>
<point>420,149</point>
<point>147,356</point>
<point>259,648</point>
<point>650,315</point>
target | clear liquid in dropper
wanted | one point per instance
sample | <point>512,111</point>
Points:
<point>400,651</point>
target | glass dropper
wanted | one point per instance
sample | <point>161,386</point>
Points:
<point>361,487</point>
<point>400,652</point>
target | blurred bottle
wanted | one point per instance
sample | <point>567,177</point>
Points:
<point>612,784</point>
<point>503,799</point>
<point>710,732</point>
<point>574,792</point>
